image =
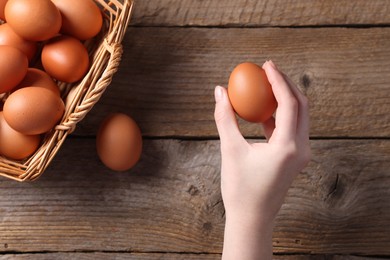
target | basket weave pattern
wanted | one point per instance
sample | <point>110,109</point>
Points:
<point>105,52</point>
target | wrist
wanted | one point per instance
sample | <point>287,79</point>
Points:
<point>247,236</point>
<point>254,216</point>
<point>251,221</point>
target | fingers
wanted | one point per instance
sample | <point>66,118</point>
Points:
<point>292,115</point>
<point>287,111</point>
<point>303,126</point>
<point>225,118</point>
<point>268,127</point>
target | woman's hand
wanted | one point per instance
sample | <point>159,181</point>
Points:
<point>255,177</point>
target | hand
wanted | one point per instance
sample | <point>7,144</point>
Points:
<point>255,177</point>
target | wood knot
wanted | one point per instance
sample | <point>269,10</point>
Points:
<point>193,191</point>
<point>336,189</point>
<point>207,226</point>
<point>306,82</point>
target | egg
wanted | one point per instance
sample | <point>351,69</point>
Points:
<point>13,67</point>
<point>71,96</point>
<point>65,58</point>
<point>15,145</point>
<point>38,78</point>
<point>9,37</point>
<point>80,18</point>
<point>119,142</point>
<point>2,6</point>
<point>250,93</point>
<point>34,20</point>
<point>33,110</point>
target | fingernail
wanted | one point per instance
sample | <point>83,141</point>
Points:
<point>272,64</point>
<point>218,93</point>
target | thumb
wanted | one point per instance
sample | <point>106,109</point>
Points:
<point>225,118</point>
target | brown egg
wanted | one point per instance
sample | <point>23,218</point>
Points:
<point>33,110</point>
<point>38,78</point>
<point>65,59</point>
<point>9,37</point>
<point>2,6</point>
<point>80,18</point>
<point>34,20</point>
<point>15,145</point>
<point>13,67</point>
<point>250,93</point>
<point>119,142</point>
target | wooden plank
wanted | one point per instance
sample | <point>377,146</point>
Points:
<point>171,202</point>
<point>161,256</point>
<point>167,78</point>
<point>260,13</point>
<point>335,204</point>
<point>116,256</point>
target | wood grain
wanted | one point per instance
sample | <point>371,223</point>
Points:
<point>170,202</point>
<point>161,256</point>
<point>260,13</point>
<point>167,77</point>
<point>116,256</point>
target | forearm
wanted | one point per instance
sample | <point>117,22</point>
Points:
<point>247,238</point>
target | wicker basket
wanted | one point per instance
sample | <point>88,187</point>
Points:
<point>105,53</point>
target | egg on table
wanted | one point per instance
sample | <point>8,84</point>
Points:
<point>250,93</point>
<point>119,142</point>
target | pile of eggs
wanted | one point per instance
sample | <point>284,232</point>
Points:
<point>41,43</point>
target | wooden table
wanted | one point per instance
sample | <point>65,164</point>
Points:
<point>169,206</point>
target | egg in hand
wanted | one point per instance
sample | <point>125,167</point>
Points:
<point>250,93</point>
